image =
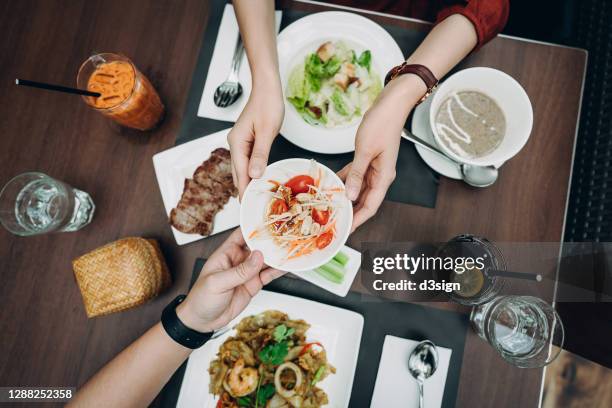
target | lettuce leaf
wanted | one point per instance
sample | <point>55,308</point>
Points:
<point>332,66</point>
<point>298,102</point>
<point>339,104</point>
<point>365,59</point>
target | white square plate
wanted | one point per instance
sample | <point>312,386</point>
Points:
<point>396,388</point>
<point>220,66</point>
<point>174,165</point>
<point>339,331</point>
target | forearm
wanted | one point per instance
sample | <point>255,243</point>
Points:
<point>258,30</point>
<point>136,375</point>
<point>444,47</point>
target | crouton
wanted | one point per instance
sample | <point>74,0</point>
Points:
<point>342,80</point>
<point>348,69</point>
<point>326,51</point>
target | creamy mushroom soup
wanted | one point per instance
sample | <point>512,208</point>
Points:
<point>470,124</point>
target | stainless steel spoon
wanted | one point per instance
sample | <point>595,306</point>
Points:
<point>229,91</point>
<point>479,176</point>
<point>422,363</point>
<point>475,176</point>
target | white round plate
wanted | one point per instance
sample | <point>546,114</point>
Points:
<point>421,128</point>
<point>303,37</point>
<point>253,208</point>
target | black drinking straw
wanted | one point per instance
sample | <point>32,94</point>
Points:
<point>516,275</point>
<point>59,88</point>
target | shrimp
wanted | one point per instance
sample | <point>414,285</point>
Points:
<point>241,380</point>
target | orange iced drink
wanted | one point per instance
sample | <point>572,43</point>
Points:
<point>114,80</point>
<point>127,96</point>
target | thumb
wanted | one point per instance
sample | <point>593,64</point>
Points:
<point>259,155</point>
<point>240,274</point>
<point>356,173</point>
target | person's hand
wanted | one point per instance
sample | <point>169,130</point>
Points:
<point>251,137</point>
<point>229,279</point>
<point>372,170</point>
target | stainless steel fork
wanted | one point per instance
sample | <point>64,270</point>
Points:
<point>229,91</point>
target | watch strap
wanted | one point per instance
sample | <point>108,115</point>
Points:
<point>177,330</point>
<point>430,80</point>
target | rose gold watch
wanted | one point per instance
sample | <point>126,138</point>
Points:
<point>430,80</point>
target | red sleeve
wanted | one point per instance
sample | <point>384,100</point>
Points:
<point>488,16</point>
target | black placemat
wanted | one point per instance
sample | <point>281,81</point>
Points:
<point>415,183</point>
<point>381,317</point>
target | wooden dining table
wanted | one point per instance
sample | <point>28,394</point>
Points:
<point>45,337</point>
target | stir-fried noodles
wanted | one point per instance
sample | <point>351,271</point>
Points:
<point>268,363</point>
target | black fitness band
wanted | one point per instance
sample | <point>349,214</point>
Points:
<point>177,330</point>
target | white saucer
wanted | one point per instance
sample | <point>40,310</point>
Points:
<point>420,127</point>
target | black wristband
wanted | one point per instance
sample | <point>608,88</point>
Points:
<point>177,330</point>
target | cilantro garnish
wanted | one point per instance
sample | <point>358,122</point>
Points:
<point>265,393</point>
<point>281,332</point>
<point>275,353</point>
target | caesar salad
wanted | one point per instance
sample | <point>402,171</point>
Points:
<point>333,86</point>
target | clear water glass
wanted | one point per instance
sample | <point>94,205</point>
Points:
<point>526,331</point>
<point>34,203</point>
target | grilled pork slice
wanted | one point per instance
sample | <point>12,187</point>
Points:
<point>184,222</point>
<point>204,195</point>
<point>218,167</point>
<point>218,189</point>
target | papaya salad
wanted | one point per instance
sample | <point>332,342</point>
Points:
<point>301,213</point>
<point>269,364</point>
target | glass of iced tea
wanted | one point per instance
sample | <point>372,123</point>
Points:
<point>127,96</point>
<point>476,286</point>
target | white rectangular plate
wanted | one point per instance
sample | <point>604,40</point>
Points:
<point>340,289</point>
<point>339,331</point>
<point>396,388</point>
<point>174,165</point>
<point>220,66</point>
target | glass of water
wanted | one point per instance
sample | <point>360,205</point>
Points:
<point>526,331</point>
<point>34,203</point>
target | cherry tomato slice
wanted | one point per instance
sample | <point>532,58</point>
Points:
<point>279,206</point>
<point>320,217</point>
<point>324,239</point>
<point>300,184</point>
